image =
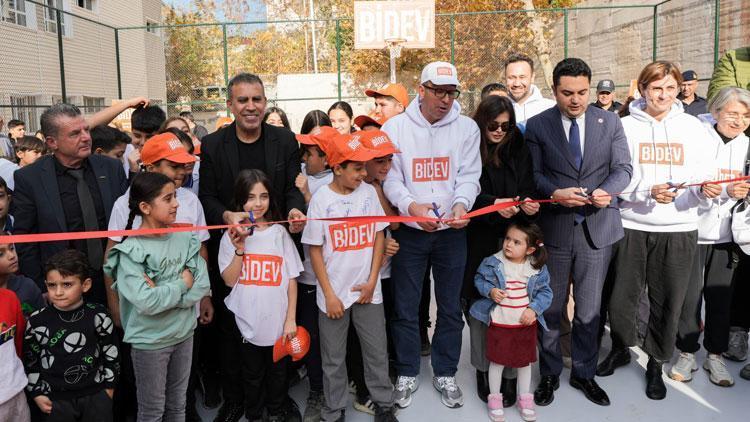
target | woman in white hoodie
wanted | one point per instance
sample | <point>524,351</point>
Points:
<point>717,255</point>
<point>668,149</point>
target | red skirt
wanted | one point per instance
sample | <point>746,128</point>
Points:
<point>511,346</point>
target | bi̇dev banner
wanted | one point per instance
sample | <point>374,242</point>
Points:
<point>377,21</point>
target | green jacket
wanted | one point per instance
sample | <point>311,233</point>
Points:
<point>163,315</point>
<point>733,69</point>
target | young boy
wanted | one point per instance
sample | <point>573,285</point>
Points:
<point>71,354</point>
<point>369,121</point>
<point>144,123</point>
<point>13,405</point>
<point>349,290</point>
<point>109,141</point>
<point>16,129</point>
<point>6,220</point>
<point>27,291</point>
<point>27,150</point>
<point>316,171</point>
<point>391,100</point>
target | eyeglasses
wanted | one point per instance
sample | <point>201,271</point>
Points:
<point>736,117</point>
<point>504,126</point>
<point>441,93</point>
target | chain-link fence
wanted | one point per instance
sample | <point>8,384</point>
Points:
<point>309,64</point>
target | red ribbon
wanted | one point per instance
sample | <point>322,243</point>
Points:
<point>56,237</point>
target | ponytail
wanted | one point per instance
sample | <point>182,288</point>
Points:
<point>145,188</point>
<point>131,217</point>
<point>534,239</point>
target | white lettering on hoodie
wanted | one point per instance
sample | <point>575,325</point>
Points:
<point>438,163</point>
<point>673,149</point>
<point>533,105</point>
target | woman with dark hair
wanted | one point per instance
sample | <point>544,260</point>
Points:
<point>342,117</point>
<point>506,176</point>
<point>314,119</point>
<point>276,117</point>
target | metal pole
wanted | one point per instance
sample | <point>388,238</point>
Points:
<point>453,39</point>
<point>338,56</point>
<point>117,61</point>
<point>314,47</point>
<point>655,33</point>
<point>226,59</point>
<point>565,33</point>
<point>58,19</point>
<point>717,19</point>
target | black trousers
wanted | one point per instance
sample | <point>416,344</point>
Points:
<point>711,281</point>
<point>307,316</point>
<point>740,312</point>
<point>125,400</point>
<point>266,383</point>
<point>230,338</point>
<point>96,407</point>
<point>661,262</point>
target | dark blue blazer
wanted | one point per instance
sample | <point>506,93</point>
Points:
<point>37,207</point>
<point>606,165</point>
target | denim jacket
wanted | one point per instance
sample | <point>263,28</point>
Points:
<point>490,275</point>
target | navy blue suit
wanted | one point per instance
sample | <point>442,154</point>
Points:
<point>580,250</point>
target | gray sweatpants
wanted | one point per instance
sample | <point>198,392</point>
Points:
<point>161,378</point>
<point>369,324</point>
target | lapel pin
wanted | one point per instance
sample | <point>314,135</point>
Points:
<point>600,120</point>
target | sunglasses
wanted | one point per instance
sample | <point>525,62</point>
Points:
<point>441,93</point>
<point>504,126</point>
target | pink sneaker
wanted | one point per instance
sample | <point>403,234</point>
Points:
<point>495,408</point>
<point>526,407</point>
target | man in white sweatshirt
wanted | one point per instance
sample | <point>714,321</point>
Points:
<point>437,173</point>
<point>526,98</point>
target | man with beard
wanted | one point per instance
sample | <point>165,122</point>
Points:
<point>526,97</point>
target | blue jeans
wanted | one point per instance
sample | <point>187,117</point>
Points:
<point>446,249</point>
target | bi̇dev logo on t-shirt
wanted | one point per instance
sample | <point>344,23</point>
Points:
<point>430,169</point>
<point>661,153</point>
<point>729,174</point>
<point>261,270</point>
<point>350,237</point>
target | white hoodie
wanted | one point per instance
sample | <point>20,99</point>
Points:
<point>533,105</point>
<point>715,215</point>
<point>438,163</point>
<point>673,149</point>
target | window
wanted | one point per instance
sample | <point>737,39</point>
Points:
<point>152,27</point>
<point>24,108</point>
<point>86,4</point>
<point>13,11</point>
<point>92,104</point>
<point>50,18</point>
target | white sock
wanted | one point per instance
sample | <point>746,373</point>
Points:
<point>495,377</point>
<point>524,380</point>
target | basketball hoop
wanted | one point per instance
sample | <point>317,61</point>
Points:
<point>394,46</point>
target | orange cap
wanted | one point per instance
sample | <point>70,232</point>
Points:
<point>396,91</point>
<point>297,347</point>
<point>320,138</point>
<point>378,141</point>
<point>165,146</point>
<point>347,147</point>
<point>223,121</point>
<point>370,119</point>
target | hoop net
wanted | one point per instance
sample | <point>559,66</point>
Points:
<point>394,46</point>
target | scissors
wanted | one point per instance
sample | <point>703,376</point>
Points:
<point>251,229</point>
<point>583,194</point>
<point>435,211</point>
<point>675,187</point>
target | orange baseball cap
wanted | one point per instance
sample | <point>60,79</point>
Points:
<point>165,146</point>
<point>347,147</point>
<point>396,91</point>
<point>223,121</point>
<point>320,138</point>
<point>297,347</point>
<point>369,119</point>
<point>378,141</point>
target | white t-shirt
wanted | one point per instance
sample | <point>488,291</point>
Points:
<point>347,247</point>
<point>189,212</point>
<point>313,183</point>
<point>7,170</point>
<point>259,299</point>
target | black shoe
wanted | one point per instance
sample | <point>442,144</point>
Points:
<point>191,413</point>
<point>230,412</point>
<point>385,414</point>
<point>483,385</point>
<point>509,388</point>
<point>211,391</point>
<point>655,388</point>
<point>291,411</point>
<point>591,390</point>
<point>545,391</point>
<point>616,358</point>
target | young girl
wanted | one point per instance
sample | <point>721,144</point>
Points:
<point>514,284</point>
<point>260,264</point>
<point>159,279</point>
<point>342,117</point>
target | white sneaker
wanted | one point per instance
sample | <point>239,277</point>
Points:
<point>450,394</point>
<point>405,387</point>
<point>683,369</point>
<point>717,369</point>
<point>737,350</point>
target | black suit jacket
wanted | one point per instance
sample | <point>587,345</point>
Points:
<point>37,207</point>
<point>220,166</point>
<point>606,165</point>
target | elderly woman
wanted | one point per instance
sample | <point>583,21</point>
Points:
<point>717,255</point>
